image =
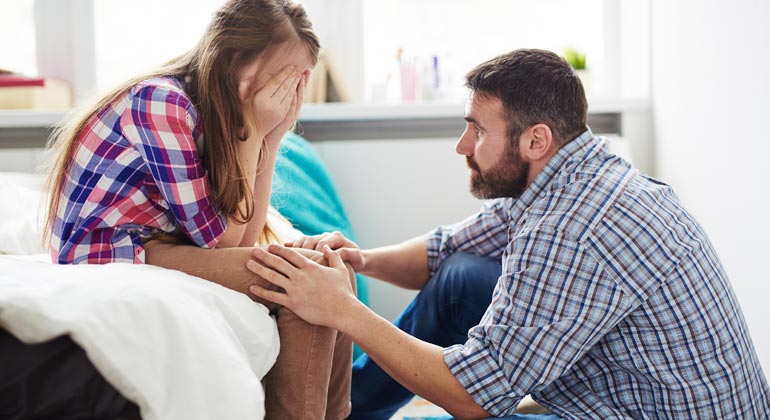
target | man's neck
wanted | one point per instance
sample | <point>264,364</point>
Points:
<point>535,167</point>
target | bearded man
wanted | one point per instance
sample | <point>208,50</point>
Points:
<point>582,282</point>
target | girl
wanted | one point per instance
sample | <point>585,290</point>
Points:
<point>174,168</point>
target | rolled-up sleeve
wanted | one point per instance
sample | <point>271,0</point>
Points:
<point>159,121</point>
<point>552,304</point>
<point>484,233</point>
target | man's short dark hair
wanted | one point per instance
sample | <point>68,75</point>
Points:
<point>535,86</point>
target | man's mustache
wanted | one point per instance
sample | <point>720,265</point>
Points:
<point>472,164</point>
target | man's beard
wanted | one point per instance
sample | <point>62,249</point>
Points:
<point>508,178</point>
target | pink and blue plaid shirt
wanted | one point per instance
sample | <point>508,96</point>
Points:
<point>135,172</point>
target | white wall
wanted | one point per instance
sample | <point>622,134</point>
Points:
<point>710,85</point>
<point>394,190</point>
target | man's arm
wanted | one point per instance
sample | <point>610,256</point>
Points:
<point>417,365</point>
<point>403,265</point>
<point>322,295</point>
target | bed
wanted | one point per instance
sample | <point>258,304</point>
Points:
<point>177,346</point>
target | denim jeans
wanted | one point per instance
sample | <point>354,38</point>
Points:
<point>517,417</point>
<point>452,302</point>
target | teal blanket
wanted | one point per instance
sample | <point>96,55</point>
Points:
<point>304,193</point>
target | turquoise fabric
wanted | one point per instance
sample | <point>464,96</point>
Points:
<point>304,193</point>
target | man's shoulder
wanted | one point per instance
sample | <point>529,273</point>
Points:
<point>578,199</point>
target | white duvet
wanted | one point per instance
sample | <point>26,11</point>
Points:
<point>178,346</point>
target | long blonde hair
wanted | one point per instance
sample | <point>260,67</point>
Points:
<point>241,30</point>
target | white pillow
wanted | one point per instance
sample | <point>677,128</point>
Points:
<point>21,201</point>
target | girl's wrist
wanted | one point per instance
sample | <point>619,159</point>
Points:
<point>274,139</point>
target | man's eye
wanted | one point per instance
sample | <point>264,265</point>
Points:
<point>478,132</point>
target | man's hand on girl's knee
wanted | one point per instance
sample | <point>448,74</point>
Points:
<point>315,256</point>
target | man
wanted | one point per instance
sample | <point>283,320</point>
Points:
<point>610,303</point>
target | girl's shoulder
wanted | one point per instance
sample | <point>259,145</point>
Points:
<point>160,89</point>
<point>167,93</point>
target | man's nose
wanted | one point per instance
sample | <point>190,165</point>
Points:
<point>462,145</point>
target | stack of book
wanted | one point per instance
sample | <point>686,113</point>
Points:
<point>33,93</point>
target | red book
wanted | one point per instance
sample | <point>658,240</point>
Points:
<point>14,80</point>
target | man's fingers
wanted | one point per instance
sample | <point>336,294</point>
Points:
<point>272,261</point>
<point>352,256</point>
<point>270,295</point>
<point>325,240</point>
<point>289,255</point>
<point>345,253</point>
<point>268,274</point>
<point>335,240</point>
<point>334,258</point>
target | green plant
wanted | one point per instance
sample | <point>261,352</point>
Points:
<point>575,58</point>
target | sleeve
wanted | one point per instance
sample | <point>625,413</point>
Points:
<point>551,305</point>
<point>159,122</point>
<point>484,233</point>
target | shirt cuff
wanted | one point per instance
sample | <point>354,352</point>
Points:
<point>476,368</point>
<point>433,245</point>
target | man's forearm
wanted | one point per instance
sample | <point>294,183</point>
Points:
<point>404,265</point>
<point>415,364</point>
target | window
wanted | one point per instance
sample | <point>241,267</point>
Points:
<point>134,36</point>
<point>17,30</point>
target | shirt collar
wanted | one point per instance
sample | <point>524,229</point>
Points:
<point>578,150</point>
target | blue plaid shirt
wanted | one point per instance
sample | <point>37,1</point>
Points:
<point>612,303</point>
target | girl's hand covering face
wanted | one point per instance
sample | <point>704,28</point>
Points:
<point>275,135</point>
<point>277,101</point>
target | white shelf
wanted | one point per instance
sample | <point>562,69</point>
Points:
<point>357,112</point>
<point>344,112</point>
<point>363,112</point>
<point>29,119</point>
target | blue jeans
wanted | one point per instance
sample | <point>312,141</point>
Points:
<point>452,302</point>
<point>517,417</point>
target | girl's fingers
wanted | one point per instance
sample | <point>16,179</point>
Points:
<point>275,84</point>
<point>299,99</point>
<point>301,88</point>
<point>268,274</point>
<point>288,88</point>
<point>270,295</point>
<point>307,242</point>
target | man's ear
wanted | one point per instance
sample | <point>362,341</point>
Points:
<point>537,143</point>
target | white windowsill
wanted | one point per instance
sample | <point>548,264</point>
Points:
<point>343,112</point>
